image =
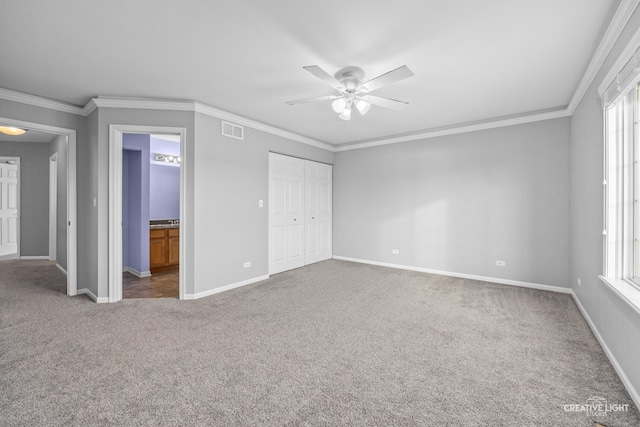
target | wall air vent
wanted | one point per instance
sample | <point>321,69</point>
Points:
<point>232,130</point>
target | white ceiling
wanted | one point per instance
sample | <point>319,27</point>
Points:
<point>473,60</point>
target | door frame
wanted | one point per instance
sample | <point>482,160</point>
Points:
<point>17,254</point>
<point>53,206</point>
<point>72,226</point>
<point>116,133</point>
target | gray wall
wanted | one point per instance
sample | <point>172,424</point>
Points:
<point>461,202</point>
<point>34,195</point>
<point>225,178</point>
<point>230,177</point>
<point>59,145</point>
<point>30,113</point>
<point>617,323</point>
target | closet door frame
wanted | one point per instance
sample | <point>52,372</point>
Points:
<point>273,221</point>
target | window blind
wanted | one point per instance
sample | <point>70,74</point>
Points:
<point>628,76</point>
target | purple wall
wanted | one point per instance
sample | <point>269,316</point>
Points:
<point>135,206</point>
<point>164,192</point>
<point>164,185</point>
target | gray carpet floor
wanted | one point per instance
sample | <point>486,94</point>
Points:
<point>334,343</point>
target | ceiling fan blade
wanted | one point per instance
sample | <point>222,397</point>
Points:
<point>393,104</point>
<point>386,79</point>
<point>324,76</point>
<point>316,99</point>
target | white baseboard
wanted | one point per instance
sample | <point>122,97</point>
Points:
<point>93,296</point>
<point>136,272</point>
<point>8,257</point>
<point>225,288</point>
<point>635,396</point>
<point>35,257</point>
<point>461,275</point>
<point>61,269</point>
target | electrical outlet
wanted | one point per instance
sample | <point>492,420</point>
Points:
<point>579,282</point>
<point>501,263</point>
<point>247,264</point>
<point>395,251</point>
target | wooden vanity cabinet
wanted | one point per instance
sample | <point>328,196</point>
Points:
<point>164,248</point>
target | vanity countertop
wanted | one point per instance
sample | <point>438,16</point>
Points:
<point>164,223</point>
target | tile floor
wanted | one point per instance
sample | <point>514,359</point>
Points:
<point>163,284</point>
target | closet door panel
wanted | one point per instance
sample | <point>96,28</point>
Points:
<point>286,236</point>
<point>318,216</point>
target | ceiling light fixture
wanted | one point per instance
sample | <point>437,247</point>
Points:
<point>352,91</point>
<point>12,130</point>
<point>168,158</point>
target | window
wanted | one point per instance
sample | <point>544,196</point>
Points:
<point>621,270</point>
<point>621,189</point>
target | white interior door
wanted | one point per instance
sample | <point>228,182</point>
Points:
<point>8,210</point>
<point>286,215</point>
<point>318,220</point>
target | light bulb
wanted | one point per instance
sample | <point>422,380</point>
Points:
<point>339,105</point>
<point>346,114</point>
<point>362,106</point>
<point>10,130</point>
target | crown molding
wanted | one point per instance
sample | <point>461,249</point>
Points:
<point>625,56</point>
<point>434,133</point>
<point>225,115</point>
<point>38,101</point>
<point>143,104</point>
<point>617,24</point>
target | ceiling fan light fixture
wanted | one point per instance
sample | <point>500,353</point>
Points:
<point>12,130</point>
<point>363,106</point>
<point>339,105</point>
<point>346,113</point>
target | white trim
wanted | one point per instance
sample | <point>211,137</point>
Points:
<point>115,214</point>
<point>59,267</point>
<point>39,101</point>
<point>225,115</point>
<point>197,107</point>
<point>9,257</point>
<point>498,123</point>
<point>30,257</point>
<point>53,206</point>
<point>635,396</point>
<point>143,104</point>
<point>625,291</point>
<point>115,202</point>
<point>626,8</point>
<point>617,24</point>
<point>461,275</point>
<point>93,296</point>
<point>136,272</point>
<point>225,288</point>
<point>72,230</point>
<point>89,108</point>
<point>625,56</point>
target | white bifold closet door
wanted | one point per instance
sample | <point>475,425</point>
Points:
<point>299,212</point>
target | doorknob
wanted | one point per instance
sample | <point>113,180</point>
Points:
<point>294,219</point>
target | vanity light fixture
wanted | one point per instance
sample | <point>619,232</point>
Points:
<point>12,130</point>
<point>168,158</point>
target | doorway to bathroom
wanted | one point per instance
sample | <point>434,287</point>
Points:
<point>150,215</point>
<point>146,162</point>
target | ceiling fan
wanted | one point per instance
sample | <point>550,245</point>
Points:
<point>354,92</point>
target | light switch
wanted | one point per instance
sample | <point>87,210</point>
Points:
<point>95,202</point>
<point>260,203</point>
